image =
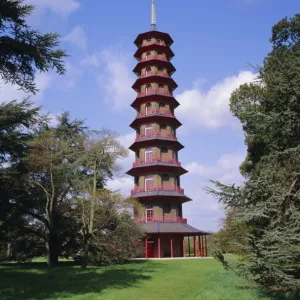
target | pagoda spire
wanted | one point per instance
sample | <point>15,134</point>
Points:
<point>153,17</point>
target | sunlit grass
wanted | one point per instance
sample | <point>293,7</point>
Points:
<point>181,279</point>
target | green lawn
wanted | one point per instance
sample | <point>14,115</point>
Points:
<point>156,280</point>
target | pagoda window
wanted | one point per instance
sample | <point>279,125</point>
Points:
<point>173,131</point>
<point>174,154</point>
<point>149,39</point>
<point>149,183</point>
<point>159,53</point>
<point>167,209</point>
<point>179,210</point>
<point>136,181</point>
<point>149,213</point>
<point>164,152</point>
<point>176,181</point>
<point>148,89</point>
<point>163,129</point>
<point>161,88</point>
<point>148,155</point>
<point>162,107</point>
<point>148,130</point>
<point>148,55</point>
<point>148,71</point>
<point>148,108</point>
<point>159,41</point>
<point>165,181</point>
<point>160,69</point>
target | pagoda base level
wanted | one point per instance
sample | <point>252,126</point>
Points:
<point>175,245</point>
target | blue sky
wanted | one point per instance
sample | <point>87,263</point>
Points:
<point>216,41</point>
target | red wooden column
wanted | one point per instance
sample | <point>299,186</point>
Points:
<point>195,249</point>
<point>202,248</point>
<point>158,246</point>
<point>171,246</point>
<point>206,250</point>
<point>199,245</point>
<point>146,247</point>
<point>183,247</point>
<point>189,246</point>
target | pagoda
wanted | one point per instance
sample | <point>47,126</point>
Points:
<point>156,169</point>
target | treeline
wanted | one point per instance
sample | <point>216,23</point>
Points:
<point>263,221</point>
<point>53,200</point>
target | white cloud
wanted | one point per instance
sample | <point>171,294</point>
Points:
<point>204,212</point>
<point>53,122</point>
<point>62,7</point>
<point>210,109</point>
<point>127,139</point>
<point>123,185</point>
<point>77,37</point>
<point>227,166</point>
<point>9,92</point>
<point>115,78</point>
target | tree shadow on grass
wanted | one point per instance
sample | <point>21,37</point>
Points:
<point>35,282</point>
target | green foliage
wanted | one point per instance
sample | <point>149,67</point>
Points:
<point>232,238</point>
<point>116,242</point>
<point>23,50</point>
<point>269,200</point>
<point>16,123</point>
<point>53,198</point>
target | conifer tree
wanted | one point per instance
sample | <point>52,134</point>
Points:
<point>269,200</point>
<point>24,50</point>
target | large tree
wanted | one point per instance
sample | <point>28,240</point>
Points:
<point>24,50</point>
<point>269,200</point>
<point>17,124</point>
<point>53,168</point>
<point>99,159</point>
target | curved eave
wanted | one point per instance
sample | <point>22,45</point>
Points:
<point>154,62</point>
<point>162,48</point>
<point>170,120</point>
<point>155,78</point>
<point>171,228</point>
<point>157,167</point>
<point>156,141</point>
<point>162,196</point>
<point>155,34</point>
<point>154,97</point>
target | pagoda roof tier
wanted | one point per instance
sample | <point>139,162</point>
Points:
<point>154,98</point>
<point>153,34</point>
<point>154,60</point>
<point>159,166</point>
<point>145,142</point>
<point>155,77</point>
<point>171,227</point>
<point>154,46</point>
<point>160,196</point>
<point>155,117</point>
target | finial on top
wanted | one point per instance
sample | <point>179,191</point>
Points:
<point>153,17</point>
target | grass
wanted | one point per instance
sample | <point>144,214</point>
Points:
<point>160,280</point>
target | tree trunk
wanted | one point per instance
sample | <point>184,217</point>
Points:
<point>10,251</point>
<point>52,251</point>
<point>85,253</point>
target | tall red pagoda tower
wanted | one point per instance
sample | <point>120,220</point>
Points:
<point>157,170</point>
